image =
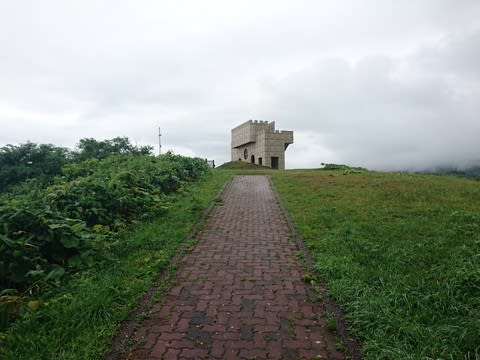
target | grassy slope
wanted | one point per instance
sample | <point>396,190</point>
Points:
<point>400,253</point>
<point>240,165</point>
<point>78,320</point>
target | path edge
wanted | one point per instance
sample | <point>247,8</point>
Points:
<point>352,346</point>
<point>118,346</point>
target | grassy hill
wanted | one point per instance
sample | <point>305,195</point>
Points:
<point>400,254</point>
<point>241,165</point>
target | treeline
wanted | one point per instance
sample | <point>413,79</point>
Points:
<point>43,162</point>
<point>66,218</point>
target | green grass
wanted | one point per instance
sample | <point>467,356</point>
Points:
<point>400,254</point>
<point>78,319</point>
<point>233,168</point>
<point>239,165</point>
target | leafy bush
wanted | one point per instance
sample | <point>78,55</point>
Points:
<point>37,243</point>
<point>43,162</point>
<point>78,318</point>
<point>27,161</point>
<point>93,149</point>
<point>45,232</point>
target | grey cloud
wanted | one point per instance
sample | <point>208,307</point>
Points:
<point>369,118</point>
<point>459,55</point>
<point>80,69</point>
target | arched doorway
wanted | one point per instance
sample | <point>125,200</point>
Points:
<point>252,159</point>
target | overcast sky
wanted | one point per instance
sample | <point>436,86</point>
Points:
<point>387,85</point>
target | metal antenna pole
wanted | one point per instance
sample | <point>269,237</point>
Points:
<point>159,142</point>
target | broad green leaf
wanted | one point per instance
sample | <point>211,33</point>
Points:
<point>75,261</point>
<point>57,226</point>
<point>78,227</point>
<point>70,241</point>
<point>56,273</point>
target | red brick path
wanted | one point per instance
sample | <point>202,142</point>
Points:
<point>239,293</point>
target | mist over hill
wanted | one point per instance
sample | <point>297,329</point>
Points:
<point>471,170</point>
<point>466,171</point>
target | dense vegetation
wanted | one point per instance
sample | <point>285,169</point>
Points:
<point>41,163</point>
<point>78,318</point>
<point>70,225</point>
<point>400,254</point>
<point>30,161</point>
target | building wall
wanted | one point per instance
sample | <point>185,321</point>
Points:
<point>261,140</point>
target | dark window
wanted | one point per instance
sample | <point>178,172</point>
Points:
<point>252,159</point>
<point>260,161</point>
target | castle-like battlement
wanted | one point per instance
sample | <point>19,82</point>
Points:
<point>258,142</point>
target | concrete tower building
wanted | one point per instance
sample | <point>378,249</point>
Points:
<point>259,143</point>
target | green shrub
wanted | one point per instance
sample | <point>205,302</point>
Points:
<point>46,232</point>
<point>30,161</point>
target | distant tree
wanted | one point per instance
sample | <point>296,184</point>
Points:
<point>30,161</point>
<point>43,162</point>
<point>90,148</point>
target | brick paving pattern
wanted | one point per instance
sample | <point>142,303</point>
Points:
<point>239,293</point>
